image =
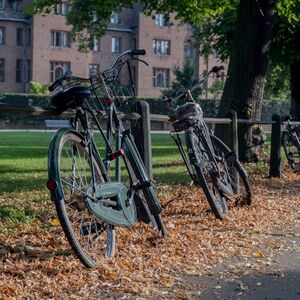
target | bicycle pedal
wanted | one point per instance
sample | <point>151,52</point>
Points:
<point>142,185</point>
<point>116,154</point>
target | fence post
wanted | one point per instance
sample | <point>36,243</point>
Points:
<point>275,159</point>
<point>234,126</point>
<point>141,130</point>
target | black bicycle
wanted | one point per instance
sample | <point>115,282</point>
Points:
<point>290,142</point>
<point>210,163</point>
<point>97,186</point>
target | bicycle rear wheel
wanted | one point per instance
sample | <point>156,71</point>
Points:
<point>232,172</point>
<point>201,161</point>
<point>69,167</point>
<point>291,149</point>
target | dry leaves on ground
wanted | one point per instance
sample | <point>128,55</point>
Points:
<point>37,262</point>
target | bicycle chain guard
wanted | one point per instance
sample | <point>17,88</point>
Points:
<point>114,204</point>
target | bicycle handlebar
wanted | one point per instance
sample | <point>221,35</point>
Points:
<point>68,75</point>
<point>200,82</point>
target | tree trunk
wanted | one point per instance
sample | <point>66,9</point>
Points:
<point>295,80</point>
<point>243,91</point>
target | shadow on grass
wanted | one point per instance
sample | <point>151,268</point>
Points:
<point>23,184</point>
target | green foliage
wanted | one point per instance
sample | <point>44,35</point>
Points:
<point>277,84</point>
<point>216,89</point>
<point>183,80</point>
<point>37,88</point>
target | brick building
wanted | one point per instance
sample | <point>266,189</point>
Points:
<point>40,48</point>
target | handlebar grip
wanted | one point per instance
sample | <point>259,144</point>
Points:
<point>54,85</point>
<point>138,52</point>
<point>217,69</point>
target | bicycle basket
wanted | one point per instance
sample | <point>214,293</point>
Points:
<point>115,85</point>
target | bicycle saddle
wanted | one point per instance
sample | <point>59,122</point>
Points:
<point>186,111</point>
<point>70,97</point>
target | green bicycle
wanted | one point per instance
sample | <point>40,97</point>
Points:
<point>94,189</point>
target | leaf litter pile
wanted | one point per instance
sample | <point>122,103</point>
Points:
<point>37,262</point>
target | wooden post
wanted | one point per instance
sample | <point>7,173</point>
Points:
<point>235,144</point>
<point>141,131</point>
<point>234,126</point>
<point>275,159</point>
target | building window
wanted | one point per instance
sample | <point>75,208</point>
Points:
<point>19,70</point>
<point>161,20</point>
<point>161,77</point>
<point>28,69</point>
<point>58,68</point>
<point>2,69</point>
<point>1,4</point>
<point>62,9</point>
<point>188,49</point>
<point>62,39</point>
<point>93,69</point>
<point>28,37</point>
<point>96,44</point>
<point>20,37</point>
<point>161,47</point>
<point>115,18</point>
<point>2,35</point>
<point>116,44</point>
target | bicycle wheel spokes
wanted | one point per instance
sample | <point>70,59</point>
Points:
<point>291,150</point>
<point>206,172</point>
<point>90,237</point>
<point>232,174</point>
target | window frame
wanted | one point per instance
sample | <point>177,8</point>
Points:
<point>2,64</point>
<point>114,48</point>
<point>160,20</point>
<point>60,39</point>
<point>115,18</point>
<point>19,70</point>
<point>20,36</point>
<point>66,66</point>
<point>4,35</point>
<point>93,71</point>
<point>159,45</point>
<point>165,72</point>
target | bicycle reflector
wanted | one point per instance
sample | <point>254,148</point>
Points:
<point>51,185</point>
<point>116,154</point>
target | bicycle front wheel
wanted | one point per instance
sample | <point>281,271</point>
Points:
<point>205,172</point>
<point>69,166</point>
<point>291,149</point>
<point>232,172</point>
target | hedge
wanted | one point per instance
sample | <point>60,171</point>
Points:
<point>210,107</point>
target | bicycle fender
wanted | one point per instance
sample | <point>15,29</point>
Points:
<point>57,194</point>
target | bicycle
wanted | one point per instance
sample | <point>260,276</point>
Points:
<point>290,142</point>
<point>209,162</point>
<point>92,195</point>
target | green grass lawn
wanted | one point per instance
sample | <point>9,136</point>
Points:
<point>23,160</point>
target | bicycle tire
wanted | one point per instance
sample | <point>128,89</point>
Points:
<point>200,161</point>
<point>291,151</point>
<point>68,164</point>
<point>147,203</point>
<point>232,172</point>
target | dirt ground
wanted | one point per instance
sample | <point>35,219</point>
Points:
<point>253,254</point>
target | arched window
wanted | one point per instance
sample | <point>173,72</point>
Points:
<point>161,77</point>
<point>58,68</point>
<point>58,72</point>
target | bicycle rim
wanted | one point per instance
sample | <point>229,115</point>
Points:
<point>232,172</point>
<point>88,236</point>
<point>291,151</point>
<point>205,172</point>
